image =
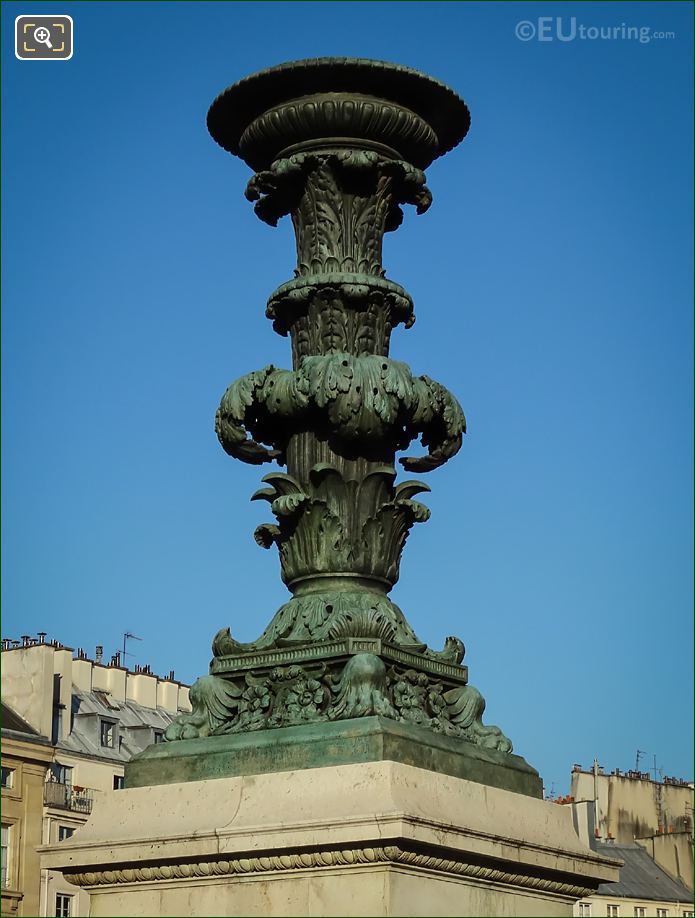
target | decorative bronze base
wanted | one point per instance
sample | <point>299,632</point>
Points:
<point>315,745</point>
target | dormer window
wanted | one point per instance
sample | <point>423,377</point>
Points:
<point>108,733</point>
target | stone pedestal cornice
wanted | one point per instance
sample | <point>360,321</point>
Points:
<point>375,838</point>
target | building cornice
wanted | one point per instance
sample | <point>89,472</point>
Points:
<point>323,859</point>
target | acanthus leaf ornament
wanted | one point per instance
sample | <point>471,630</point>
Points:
<point>350,398</point>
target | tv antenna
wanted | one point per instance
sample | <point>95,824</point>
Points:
<point>657,771</point>
<point>128,636</point>
<point>640,753</point>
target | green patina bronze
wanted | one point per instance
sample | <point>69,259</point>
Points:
<point>345,742</point>
<point>339,145</point>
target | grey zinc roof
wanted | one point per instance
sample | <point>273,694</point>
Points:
<point>135,721</point>
<point>128,713</point>
<point>10,720</point>
<point>641,877</point>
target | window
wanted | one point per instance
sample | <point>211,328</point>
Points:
<point>62,774</point>
<point>640,912</point>
<point>106,699</point>
<point>118,782</point>
<point>7,777</point>
<point>662,913</point>
<point>585,909</point>
<point>158,736</point>
<point>65,832</point>
<point>6,832</point>
<point>108,733</point>
<point>613,911</point>
<point>688,914</point>
<point>63,906</point>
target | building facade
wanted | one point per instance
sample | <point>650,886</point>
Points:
<point>632,804</point>
<point>93,717</point>
<point>648,825</point>
<point>26,759</point>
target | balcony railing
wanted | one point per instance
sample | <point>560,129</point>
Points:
<point>67,797</point>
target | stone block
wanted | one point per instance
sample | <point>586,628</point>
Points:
<point>370,838</point>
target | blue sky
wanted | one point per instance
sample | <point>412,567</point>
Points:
<point>553,290</point>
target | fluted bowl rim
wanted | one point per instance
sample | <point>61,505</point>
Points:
<point>244,101</point>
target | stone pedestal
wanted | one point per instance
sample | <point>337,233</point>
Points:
<point>372,838</point>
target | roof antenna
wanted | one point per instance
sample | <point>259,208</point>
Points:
<point>128,636</point>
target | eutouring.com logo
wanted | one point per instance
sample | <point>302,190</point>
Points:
<point>566,28</point>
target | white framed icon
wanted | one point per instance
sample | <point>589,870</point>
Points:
<point>46,40</point>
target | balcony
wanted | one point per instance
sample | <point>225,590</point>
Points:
<point>67,797</point>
